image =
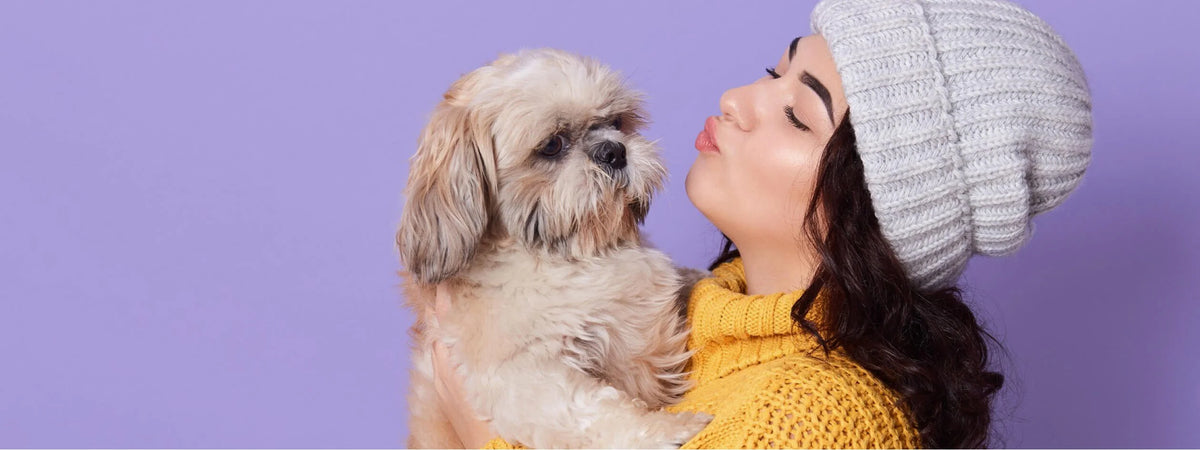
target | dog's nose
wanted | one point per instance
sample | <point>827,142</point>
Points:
<point>611,154</point>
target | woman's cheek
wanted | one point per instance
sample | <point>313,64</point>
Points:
<point>780,176</point>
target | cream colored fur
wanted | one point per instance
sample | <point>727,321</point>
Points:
<point>569,330</point>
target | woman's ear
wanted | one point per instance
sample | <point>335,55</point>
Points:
<point>451,186</point>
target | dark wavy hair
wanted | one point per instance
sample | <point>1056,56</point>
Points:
<point>926,345</point>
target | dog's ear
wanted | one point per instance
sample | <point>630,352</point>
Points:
<point>451,184</point>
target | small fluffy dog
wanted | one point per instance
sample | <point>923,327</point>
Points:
<point>525,195</point>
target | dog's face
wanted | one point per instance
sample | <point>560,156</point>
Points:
<point>542,147</point>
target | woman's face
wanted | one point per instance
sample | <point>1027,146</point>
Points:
<point>758,159</point>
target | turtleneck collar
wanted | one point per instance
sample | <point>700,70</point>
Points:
<point>732,330</point>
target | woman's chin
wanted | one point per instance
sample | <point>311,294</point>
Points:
<point>689,186</point>
<point>699,192</point>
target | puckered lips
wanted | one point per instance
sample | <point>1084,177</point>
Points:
<point>706,141</point>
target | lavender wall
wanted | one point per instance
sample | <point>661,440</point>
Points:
<point>197,202</point>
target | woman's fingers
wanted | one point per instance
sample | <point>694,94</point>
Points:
<point>448,384</point>
<point>444,395</point>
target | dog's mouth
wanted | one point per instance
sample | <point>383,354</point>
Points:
<point>619,179</point>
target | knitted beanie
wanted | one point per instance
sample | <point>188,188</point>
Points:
<point>971,117</point>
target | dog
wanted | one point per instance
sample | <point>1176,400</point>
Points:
<point>525,196</point>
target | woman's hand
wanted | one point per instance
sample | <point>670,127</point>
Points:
<point>471,430</point>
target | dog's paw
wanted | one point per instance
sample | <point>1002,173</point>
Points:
<point>681,427</point>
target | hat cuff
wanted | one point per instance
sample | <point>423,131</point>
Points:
<point>900,103</point>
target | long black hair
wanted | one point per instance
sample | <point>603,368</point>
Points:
<point>926,345</point>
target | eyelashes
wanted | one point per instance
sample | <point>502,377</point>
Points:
<point>787,110</point>
<point>791,117</point>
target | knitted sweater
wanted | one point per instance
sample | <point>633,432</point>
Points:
<point>767,383</point>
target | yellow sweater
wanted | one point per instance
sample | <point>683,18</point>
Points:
<point>766,382</point>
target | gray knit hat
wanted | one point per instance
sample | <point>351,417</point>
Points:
<point>971,117</point>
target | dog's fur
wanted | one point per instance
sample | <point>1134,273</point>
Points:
<point>569,330</point>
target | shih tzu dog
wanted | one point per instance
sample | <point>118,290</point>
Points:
<point>525,196</point>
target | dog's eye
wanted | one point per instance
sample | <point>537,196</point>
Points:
<point>554,146</point>
<point>616,123</point>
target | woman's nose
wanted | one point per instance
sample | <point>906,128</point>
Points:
<point>736,107</point>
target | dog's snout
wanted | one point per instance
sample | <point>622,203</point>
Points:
<point>610,153</point>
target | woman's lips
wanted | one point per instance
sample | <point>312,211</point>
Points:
<point>705,142</point>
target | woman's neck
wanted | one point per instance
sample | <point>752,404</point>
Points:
<point>773,270</point>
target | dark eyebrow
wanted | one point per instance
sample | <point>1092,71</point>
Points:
<point>812,81</point>
<point>819,88</point>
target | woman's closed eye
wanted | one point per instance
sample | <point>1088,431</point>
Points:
<point>787,110</point>
<point>791,117</point>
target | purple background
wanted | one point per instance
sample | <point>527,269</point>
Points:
<point>198,204</point>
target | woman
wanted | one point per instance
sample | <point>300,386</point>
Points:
<point>881,152</point>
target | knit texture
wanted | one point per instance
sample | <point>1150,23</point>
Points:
<point>766,382</point>
<point>971,117</point>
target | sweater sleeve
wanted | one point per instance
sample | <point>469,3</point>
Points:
<point>830,407</point>
<point>500,443</point>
